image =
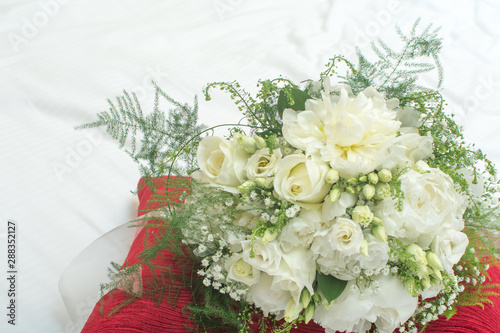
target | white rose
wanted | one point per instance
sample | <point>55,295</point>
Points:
<point>222,162</point>
<point>351,133</point>
<point>269,300</point>
<point>300,230</point>
<point>450,246</point>
<point>302,180</point>
<point>263,164</point>
<point>353,313</point>
<point>431,203</point>
<point>297,271</point>
<point>241,271</point>
<point>267,256</point>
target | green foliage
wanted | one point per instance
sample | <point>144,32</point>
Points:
<point>157,141</point>
<point>330,287</point>
<point>395,72</point>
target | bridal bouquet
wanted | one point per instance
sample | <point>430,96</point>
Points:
<point>352,201</point>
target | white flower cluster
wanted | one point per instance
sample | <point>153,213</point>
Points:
<point>348,175</point>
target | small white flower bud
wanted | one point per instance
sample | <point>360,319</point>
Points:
<point>364,248</point>
<point>372,178</point>
<point>269,236</point>
<point>379,232</point>
<point>332,176</point>
<point>259,142</point>
<point>434,261</point>
<point>369,191</point>
<point>385,175</point>
<point>248,144</point>
<point>334,194</point>
<point>309,313</point>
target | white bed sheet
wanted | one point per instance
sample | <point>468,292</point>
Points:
<point>61,59</point>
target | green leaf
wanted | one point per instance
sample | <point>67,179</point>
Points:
<point>293,98</point>
<point>330,287</point>
<point>450,313</point>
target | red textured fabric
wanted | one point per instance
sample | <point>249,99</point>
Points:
<point>147,316</point>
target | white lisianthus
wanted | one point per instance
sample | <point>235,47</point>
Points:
<point>300,230</point>
<point>345,236</point>
<point>450,246</point>
<point>241,271</point>
<point>353,313</point>
<point>302,180</point>
<point>296,272</point>
<point>269,300</point>
<point>430,204</point>
<point>267,256</point>
<point>263,164</point>
<point>222,162</point>
<point>351,133</point>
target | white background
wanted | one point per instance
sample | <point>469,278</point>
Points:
<point>60,60</point>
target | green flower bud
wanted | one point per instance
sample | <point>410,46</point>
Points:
<point>382,191</point>
<point>309,313</point>
<point>264,182</point>
<point>364,248</point>
<point>259,142</point>
<point>350,189</point>
<point>292,310</point>
<point>379,232</point>
<point>420,259</point>
<point>305,297</point>
<point>334,194</point>
<point>434,261</point>
<point>269,236</point>
<point>362,214</point>
<point>437,274</point>
<point>385,175</point>
<point>363,178</point>
<point>248,144</point>
<point>352,181</point>
<point>369,191</point>
<point>332,176</point>
<point>426,282</point>
<point>372,178</point>
<point>377,221</point>
<point>246,186</point>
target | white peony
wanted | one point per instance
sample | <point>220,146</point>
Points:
<point>300,230</point>
<point>353,313</point>
<point>351,133</point>
<point>450,246</point>
<point>431,204</point>
<point>222,162</point>
<point>263,164</point>
<point>302,180</point>
<point>241,271</point>
<point>408,149</point>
